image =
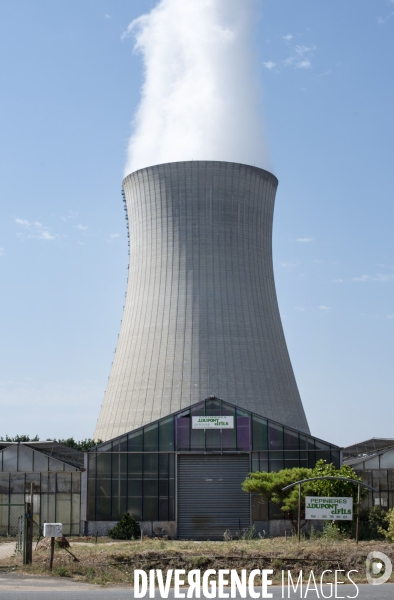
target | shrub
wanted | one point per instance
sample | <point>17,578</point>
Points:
<point>126,529</point>
<point>249,533</point>
<point>61,572</point>
<point>389,532</point>
<point>376,521</point>
<point>332,532</point>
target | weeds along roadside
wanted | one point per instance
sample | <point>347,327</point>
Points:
<point>108,562</point>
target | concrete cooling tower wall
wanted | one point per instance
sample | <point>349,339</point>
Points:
<point>201,316</point>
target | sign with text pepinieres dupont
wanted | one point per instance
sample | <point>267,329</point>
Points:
<point>212,422</point>
<point>330,509</point>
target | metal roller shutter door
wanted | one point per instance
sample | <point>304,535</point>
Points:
<point>210,498</point>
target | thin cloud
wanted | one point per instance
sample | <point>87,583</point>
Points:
<point>300,308</point>
<point>389,316</point>
<point>381,277</point>
<point>288,264</point>
<point>269,65</point>
<point>81,227</point>
<point>337,280</point>
<point>324,74</point>
<point>26,223</point>
<point>361,278</point>
<point>301,50</point>
<point>301,59</point>
<point>304,64</point>
<point>107,17</point>
<point>305,240</point>
<point>324,308</point>
<point>288,37</point>
<point>36,229</point>
<point>71,215</point>
<point>45,235</point>
<point>1,251</point>
<point>288,61</point>
<point>114,235</point>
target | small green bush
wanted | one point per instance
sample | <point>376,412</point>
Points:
<point>126,529</point>
<point>61,572</point>
<point>388,532</point>
<point>332,532</point>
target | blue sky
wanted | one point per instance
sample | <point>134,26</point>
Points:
<point>69,89</point>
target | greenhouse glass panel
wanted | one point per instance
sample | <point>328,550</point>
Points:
<point>10,459</point>
<point>163,509</point>
<point>229,436</point>
<point>104,465</point>
<point>260,433</point>
<point>135,466</point>
<point>244,433</point>
<point>64,482</point>
<point>197,439</point>
<point>104,487</point>
<point>103,508</point>
<point>264,461</point>
<point>291,439</point>
<point>136,441</point>
<point>276,461</point>
<point>166,435</point>
<point>151,465</point>
<point>25,458</point>
<point>40,461</point>
<point>134,488</point>
<point>76,483</point>
<point>150,509</point>
<point>63,511</point>
<point>275,436</point>
<point>17,483</point>
<point>182,433</point>
<point>135,507</point>
<point>151,438</point>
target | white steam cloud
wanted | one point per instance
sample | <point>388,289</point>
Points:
<point>200,98</point>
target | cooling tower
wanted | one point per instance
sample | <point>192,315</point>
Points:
<point>201,316</point>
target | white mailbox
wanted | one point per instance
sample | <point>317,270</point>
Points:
<point>53,530</point>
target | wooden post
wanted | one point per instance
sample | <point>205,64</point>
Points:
<point>52,553</point>
<point>299,512</point>
<point>29,535</point>
<point>358,512</point>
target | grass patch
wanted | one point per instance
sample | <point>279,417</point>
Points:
<point>109,563</point>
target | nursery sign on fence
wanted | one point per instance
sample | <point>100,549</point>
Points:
<point>329,509</point>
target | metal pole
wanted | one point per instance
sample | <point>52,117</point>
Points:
<point>52,553</point>
<point>32,512</point>
<point>299,512</point>
<point>358,512</point>
<point>29,535</point>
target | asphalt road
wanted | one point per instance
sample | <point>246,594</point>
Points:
<point>16,587</point>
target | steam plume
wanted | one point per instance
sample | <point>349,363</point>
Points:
<point>200,99</point>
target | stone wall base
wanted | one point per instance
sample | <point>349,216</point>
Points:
<point>150,528</point>
<point>274,528</point>
<point>280,527</point>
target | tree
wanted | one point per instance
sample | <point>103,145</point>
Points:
<point>83,445</point>
<point>126,529</point>
<point>269,486</point>
<point>20,438</point>
<point>330,487</point>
